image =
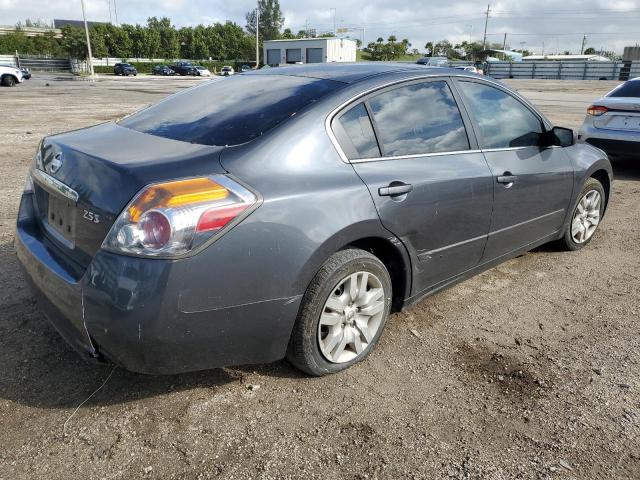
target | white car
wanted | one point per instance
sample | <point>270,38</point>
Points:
<point>202,71</point>
<point>469,68</point>
<point>226,71</point>
<point>10,75</point>
<point>613,122</point>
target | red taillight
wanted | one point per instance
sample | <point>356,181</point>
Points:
<point>216,218</point>
<point>155,230</point>
<point>597,110</point>
<point>171,218</point>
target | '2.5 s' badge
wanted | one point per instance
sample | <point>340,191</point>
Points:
<point>92,217</point>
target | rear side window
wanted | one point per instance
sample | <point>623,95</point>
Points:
<point>504,121</point>
<point>419,118</point>
<point>230,111</point>
<point>355,134</point>
<point>630,88</point>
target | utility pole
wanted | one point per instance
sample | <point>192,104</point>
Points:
<point>110,17</point>
<point>257,43</point>
<point>486,23</point>
<point>86,31</point>
<point>115,11</point>
<point>504,42</point>
<point>584,41</point>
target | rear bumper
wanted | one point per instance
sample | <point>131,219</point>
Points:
<point>616,143</point>
<point>128,310</point>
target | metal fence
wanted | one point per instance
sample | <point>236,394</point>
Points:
<point>39,64</point>
<point>565,70</point>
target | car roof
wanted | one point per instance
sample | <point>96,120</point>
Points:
<point>353,72</point>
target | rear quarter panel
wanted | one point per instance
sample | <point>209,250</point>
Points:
<point>313,205</point>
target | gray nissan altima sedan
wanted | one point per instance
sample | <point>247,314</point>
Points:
<point>286,212</point>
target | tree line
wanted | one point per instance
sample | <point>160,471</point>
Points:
<point>159,38</point>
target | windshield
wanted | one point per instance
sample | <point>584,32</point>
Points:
<point>232,111</point>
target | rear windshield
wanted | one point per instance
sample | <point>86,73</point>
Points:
<point>229,111</point>
<point>630,88</point>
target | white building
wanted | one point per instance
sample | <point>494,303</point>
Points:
<point>309,50</point>
<point>580,58</point>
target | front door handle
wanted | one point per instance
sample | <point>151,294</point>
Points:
<point>395,189</point>
<point>507,178</point>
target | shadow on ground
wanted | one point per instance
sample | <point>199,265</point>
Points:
<point>627,169</point>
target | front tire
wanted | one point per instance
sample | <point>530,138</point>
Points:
<point>586,216</point>
<point>8,81</point>
<point>342,314</point>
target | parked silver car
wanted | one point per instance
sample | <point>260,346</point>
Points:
<point>613,122</point>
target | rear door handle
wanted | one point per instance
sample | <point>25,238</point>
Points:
<point>507,178</point>
<point>395,189</point>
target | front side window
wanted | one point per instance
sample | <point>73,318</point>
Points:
<point>419,118</point>
<point>504,121</point>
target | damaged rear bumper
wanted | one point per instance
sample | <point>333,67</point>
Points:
<point>129,310</point>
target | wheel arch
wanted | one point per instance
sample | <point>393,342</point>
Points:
<point>603,177</point>
<point>390,253</point>
<point>372,237</point>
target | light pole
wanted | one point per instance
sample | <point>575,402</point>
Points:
<point>257,44</point>
<point>334,20</point>
<point>86,31</point>
<point>115,11</point>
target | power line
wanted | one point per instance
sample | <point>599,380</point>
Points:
<point>597,10</point>
<point>567,33</point>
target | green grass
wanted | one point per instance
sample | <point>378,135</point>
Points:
<point>364,57</point>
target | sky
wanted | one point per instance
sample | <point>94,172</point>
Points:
<point>552,25</point>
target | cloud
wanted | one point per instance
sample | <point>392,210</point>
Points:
<point>528,23</point>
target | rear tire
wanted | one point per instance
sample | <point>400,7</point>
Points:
<point>586,216</point>
<point>348,333</point>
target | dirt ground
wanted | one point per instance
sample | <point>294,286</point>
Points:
<point>530,370</point>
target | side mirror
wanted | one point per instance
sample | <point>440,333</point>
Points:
<point>562,137</point>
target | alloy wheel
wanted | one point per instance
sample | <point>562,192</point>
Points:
<point>351,317</point>
<point>586,217</point>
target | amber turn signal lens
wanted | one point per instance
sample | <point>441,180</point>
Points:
<point>177,194</point>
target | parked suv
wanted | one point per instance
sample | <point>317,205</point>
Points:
<point>124,69</point>
<point>10,75</point>
<point>288,211</point>
<point>184,68</point>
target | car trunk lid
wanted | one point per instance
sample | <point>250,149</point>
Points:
<point>85,178</point>
<point>623,114</point>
